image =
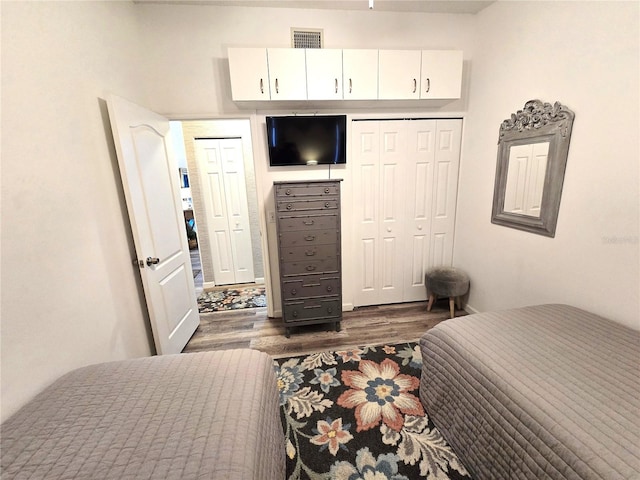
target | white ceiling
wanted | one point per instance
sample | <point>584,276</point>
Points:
<point>425,6</point>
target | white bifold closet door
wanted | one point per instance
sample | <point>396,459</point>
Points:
<point>405,189</point>
<point>220,163</point>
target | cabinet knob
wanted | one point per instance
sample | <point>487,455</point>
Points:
<point>326,190</point>
<point>311,268</point>
<point>329,288</point>
<point>295,313</point>
<point>419,227</point>
<point>287,191</point>
<point>310,253</point>
<point>310,238</point>
<point>329,310</point>
<point>308,222</point>
<point>294,291</point>
<point>389,229</point>
<point>289,206</point>
<point>327,205</point>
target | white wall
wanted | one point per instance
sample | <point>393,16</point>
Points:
<point>191,77</point>
<point>186,45</point>
<point>70,295</point>
<point>585,55</point>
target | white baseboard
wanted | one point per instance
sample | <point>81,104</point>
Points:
<point>471,309</point>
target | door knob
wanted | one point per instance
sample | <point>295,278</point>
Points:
<point>152,261</point>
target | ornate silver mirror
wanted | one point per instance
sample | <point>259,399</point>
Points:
<point>532,155</point>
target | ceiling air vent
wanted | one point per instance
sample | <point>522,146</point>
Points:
<point>306,38</point>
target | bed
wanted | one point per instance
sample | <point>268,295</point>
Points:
<point>541,392</point>
<point>212,415</point>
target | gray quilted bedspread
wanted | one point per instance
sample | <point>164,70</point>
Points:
<point>544,392</point>
<point>210,415</point>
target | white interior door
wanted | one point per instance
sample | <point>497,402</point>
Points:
<point>445,191</point>
<point>378,181</point>
<point>221,167</point>
<point>418,206</point>
<point>150,178</point>
<point>405,180</point>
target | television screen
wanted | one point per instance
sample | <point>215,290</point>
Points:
<point>307,140</point>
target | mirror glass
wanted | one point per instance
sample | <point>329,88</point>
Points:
<point>533,145</point>
<point>525,178</point>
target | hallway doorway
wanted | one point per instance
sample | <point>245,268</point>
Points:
<point>202,189</point>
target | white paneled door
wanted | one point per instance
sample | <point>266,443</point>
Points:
<point>405,183</point>
<point>221,168</point>
<point>150,179</point>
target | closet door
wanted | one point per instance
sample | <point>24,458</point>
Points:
<point>405,187</point>
<point>421,140</point>
<point>378,149</point>
<point>445,190</point>
<point>221,167</point>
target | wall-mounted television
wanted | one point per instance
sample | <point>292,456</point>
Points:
<point>307,140</point>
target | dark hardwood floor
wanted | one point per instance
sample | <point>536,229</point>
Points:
<point>375,325</point>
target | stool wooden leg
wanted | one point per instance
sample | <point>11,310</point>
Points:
<point>432,298</point>
<point>452,308</point>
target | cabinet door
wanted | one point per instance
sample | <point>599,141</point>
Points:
<point>287,73</point>
<point>398,74</point>
<point>324,74</point>
<point>249,73</point>
<point>360,74</point>
<point>441,74</point>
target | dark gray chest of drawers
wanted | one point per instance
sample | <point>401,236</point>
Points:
<point>308,225</point>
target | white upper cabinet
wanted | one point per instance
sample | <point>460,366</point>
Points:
<point>324,74</point>
<point>360,74</point>
<point>441,74</point>
<point>399,74</point>
<point>349,74</point>
<point>287,73</point>
<point>249,74</point>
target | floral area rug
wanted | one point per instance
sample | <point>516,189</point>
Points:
<point>231,299</point>
<point>356,414</point>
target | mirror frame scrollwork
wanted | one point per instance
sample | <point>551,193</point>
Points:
<point>537,122</point>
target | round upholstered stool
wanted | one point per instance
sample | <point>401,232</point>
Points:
<point>446,282</point>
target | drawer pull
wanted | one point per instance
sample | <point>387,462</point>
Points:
<point>326,190</point>
<point>289,206</point>
<point>329,310</point>
<point>288,191</point>
<point>312,307</point>
<point>327,205</point>
<point>294,292</point>
<point>310,238</point>
<point>329,288</point>
<point>311,285</point>
<point>310,222</point>
<point>310,253</point>
<point>311,268</point>
<point>294,314</point>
